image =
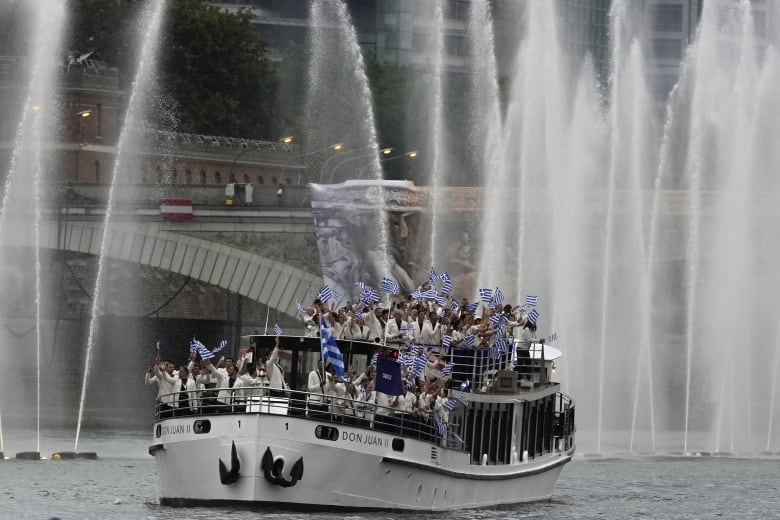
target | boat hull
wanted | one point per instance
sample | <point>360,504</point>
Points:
<point>338,467</point>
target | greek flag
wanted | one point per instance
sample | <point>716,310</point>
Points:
<point>429,294</point>
<point>325,294</point>
<point>330,350</point>
<point>417,294</point>
<point>222,345</point>
<point>277,329</point>
<point>432,277</point>
<point>470,340</point>
<point>446,287</point>
<point>374,358</point>
<point>389,286</point>
<point>486,295</point>
<point>200,348</point>
<point>442,427</point>
<point>498,296</point>
<point>337,295</point>
<point>420,362</point>
<point>453,305</point>
<point>358,315</point>
<point>552,337</point>
<point>370,295</point>
<point>196,345</point>
<point>447,370</point>
<point>450,404</point>
<point>446,340</point>
<point>406,359</point>
<point>463,399</point>
<point>300,307</point>
<point>498,318</point>
<point>471,307</point>
<point>533,316</point>
<point>531,300</point>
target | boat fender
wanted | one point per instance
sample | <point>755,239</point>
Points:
<point>230,476</point>
<point>273,469</point>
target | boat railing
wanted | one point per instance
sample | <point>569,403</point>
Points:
<point>563,422</point>
<point>418,424</point>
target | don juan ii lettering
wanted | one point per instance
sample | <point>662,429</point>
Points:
<point>364,438</point>
<point>176,429</point>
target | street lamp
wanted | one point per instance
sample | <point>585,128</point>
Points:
<point>324,167</point>
<point>383,151</point>
<point>410,155</point>
<point>336,147</point>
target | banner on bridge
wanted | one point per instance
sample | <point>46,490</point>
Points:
<point>176,209</point>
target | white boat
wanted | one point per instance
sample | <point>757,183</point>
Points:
<point>507,445</point>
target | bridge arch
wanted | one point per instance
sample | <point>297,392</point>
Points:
<point>256,277</point>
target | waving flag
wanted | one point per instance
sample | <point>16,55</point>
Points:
<point>486,295</point>
<point>222,345</point>
<point>446,340</point>
<point>420,362</point>
<point>453,305</point>
<point>471,307</point>
<point>446,286</point>
<point>533,316</point>
<point>439,299</point>
<point>325,294</point>
<point>337,295</point>
<point>389,286</point>
<point>374,358</point>
<point>498,318</point>
<point>406,359</point>
<point>531,300</point>
<point>442,427</point>
<point>300,308</point>
<point>498,296</point>
<point>470,340</point>
<point>432,277</point>
<point>370,295</point>
<point>330,350</point>
<point>417,294</point>
<point>277,329</point>
<point>430,294</point>
<point>447,370</point>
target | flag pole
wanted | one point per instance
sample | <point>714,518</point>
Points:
<point>267,312</point>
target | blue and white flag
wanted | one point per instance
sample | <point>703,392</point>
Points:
<point>498,318</point>
<point>325,294</point>
<point>389,286</point>
<point>417,294</point>
<point>486,295</point>
<point>450,404</point>
<point>453,305</point>
<point>446,340</point>
<point>447,370</point>
<point>370,295</point>
<point>471,307</point>
<point>442,427</point>
<point>406,359</point>
<point>432,276</point>
<point>360,285</point>
<point>277,329</point>
<point>462,398</point>
<point>301,309</point>
<point>533,316</point>
<point>358,315</point>
<point>531,300</point>
<point>498,296</point>
<point>552,337</point>
<point>470,340</point>
<point>446,286</point>
<point>330,350</point>
<point>430,294</point>
<point>196,345</point>
<point>439,299</point>
<point>374,358</point>
<point>337,295</point>
<point>222,345</point>
<point>420,362</point>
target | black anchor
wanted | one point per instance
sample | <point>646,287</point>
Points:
<point>230,476</point>
<point>273,470</point>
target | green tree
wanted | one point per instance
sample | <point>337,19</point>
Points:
<point>216,69</point>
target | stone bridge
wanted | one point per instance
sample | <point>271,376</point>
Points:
<point>267,253</point>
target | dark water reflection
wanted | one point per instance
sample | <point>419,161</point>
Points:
<point>122,484</point>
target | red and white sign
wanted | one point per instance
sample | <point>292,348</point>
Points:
<point>176,209</point>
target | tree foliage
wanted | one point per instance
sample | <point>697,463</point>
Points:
<point>214,66</point>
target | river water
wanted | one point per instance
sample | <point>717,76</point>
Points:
<point>122,485</point>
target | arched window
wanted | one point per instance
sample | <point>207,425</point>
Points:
<point>203,176</point>
<point>246,179</point>
<point>231,178</point>
<point>274,181</point>
<point>217,178</point>
<point>260,179</point>
<point>288,181</point>
<point>187,177</point>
